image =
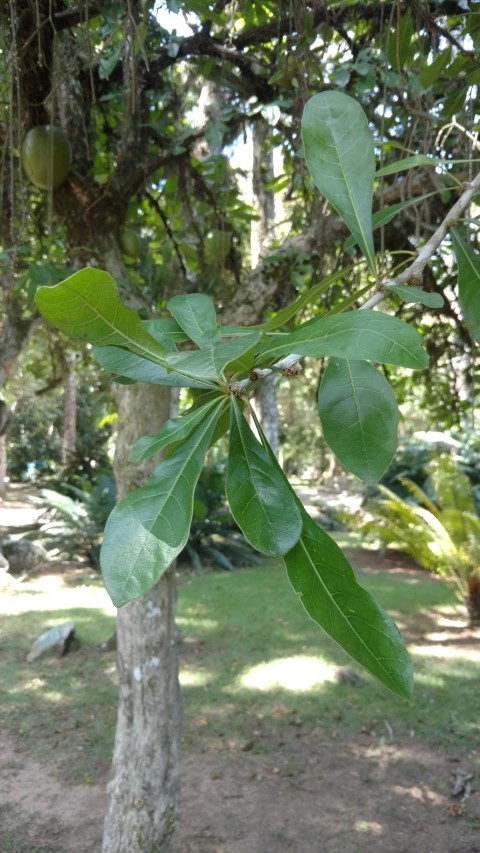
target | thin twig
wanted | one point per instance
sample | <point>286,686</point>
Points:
<point>290,364</point>
<point>413,273</point>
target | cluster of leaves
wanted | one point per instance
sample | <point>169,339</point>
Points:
<point>150,526</point>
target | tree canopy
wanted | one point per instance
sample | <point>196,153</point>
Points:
<point>153,106</point>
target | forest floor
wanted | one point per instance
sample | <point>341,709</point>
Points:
<point>301,788</point>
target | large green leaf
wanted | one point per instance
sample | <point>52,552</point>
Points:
<point>328,589</point>
<point>359,416</point>
<point>210,363</point>
<point>195,313</point>
<point>124,363</point>
<point>150,526</point>
<point>367,335</point>
<point>258,492</point>
<point>175,429</point>
<point>468,284</point>
<point>331,595</point>
<point>340,155</point>
<point>87,306</point>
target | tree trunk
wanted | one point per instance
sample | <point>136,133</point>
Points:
<point>143,796</point>
<point>266,407</point>
<point>473,602</point>
<point>69,438</point>
<point>261,238</point>
<point>3,465</point>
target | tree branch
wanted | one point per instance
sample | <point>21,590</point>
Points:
<point>413,273</point>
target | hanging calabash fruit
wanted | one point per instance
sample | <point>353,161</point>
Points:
<point>46,156</point>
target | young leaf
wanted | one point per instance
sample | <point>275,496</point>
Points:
<point>195,313</point>
<point>210,363</point>
<point>136,369</point>
<point>359,416</point>
<point>87,306</point>
<point>406,163</point>
<point>167,331</point>
<point>367,335</point>
<point>408,293</point>
<point>386,214</point>
<point>258,493</point>
<point>328,589</point>
<point>150,526</point>
<point>340,155</point>
<point>468,284</point>
<point>175,429</point>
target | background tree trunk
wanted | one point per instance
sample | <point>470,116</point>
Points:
<point>143,796</point>
<point>69,438</point>
<point>261,239</point>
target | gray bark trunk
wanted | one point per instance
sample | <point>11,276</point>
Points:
<point>262,236</point>
<point>143,796</point>
<point>3,465</point>
<point>69,438</point>
<point>267,409</point>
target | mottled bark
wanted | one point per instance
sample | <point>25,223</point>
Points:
<point>473,602</point>
<point>143,796</point>
<point>267,409</point>
<point>262,237</point>
<point>69,437</point>
<point>3,465</point>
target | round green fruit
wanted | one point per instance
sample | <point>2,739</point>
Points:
<point>131,243</point>
<point>46,156</point>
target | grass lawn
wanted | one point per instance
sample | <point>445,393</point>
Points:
<point>251,659</point>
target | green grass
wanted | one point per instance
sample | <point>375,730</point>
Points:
<point>261,662</point>
<point>63,704</point>
<point>252,663</point>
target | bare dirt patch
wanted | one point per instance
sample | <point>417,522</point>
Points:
<point>312,791</point>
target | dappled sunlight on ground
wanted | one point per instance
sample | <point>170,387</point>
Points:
<point>54,592</point>
<point>443,652</point>
<point>299,673</point>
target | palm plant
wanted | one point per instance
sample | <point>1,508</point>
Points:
<point>441,533</point>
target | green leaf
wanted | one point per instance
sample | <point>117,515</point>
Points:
<point>409,293</point>
<point>430,73</point>
<point>331,595</point>
<point>175,429</point>
<point>468,284</point>
<point>150,526</point>
<point>258,493</point>
<point>195,313</point>
<point>286,314</point>
<point>87,306</point>
<point>126,364</point>
<point>399,49</point>
<point>167,331</point>
<point>406,163</point>
<point>386,214</point>
<point>328,589</point>
<point>359,416</point>
<point>210,363</point>
<point>340,155</point>
<point>369,335</point>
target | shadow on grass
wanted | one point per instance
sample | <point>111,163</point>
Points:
<point>65,704</point>
<point>251,656</point>
<point>252,661</point>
